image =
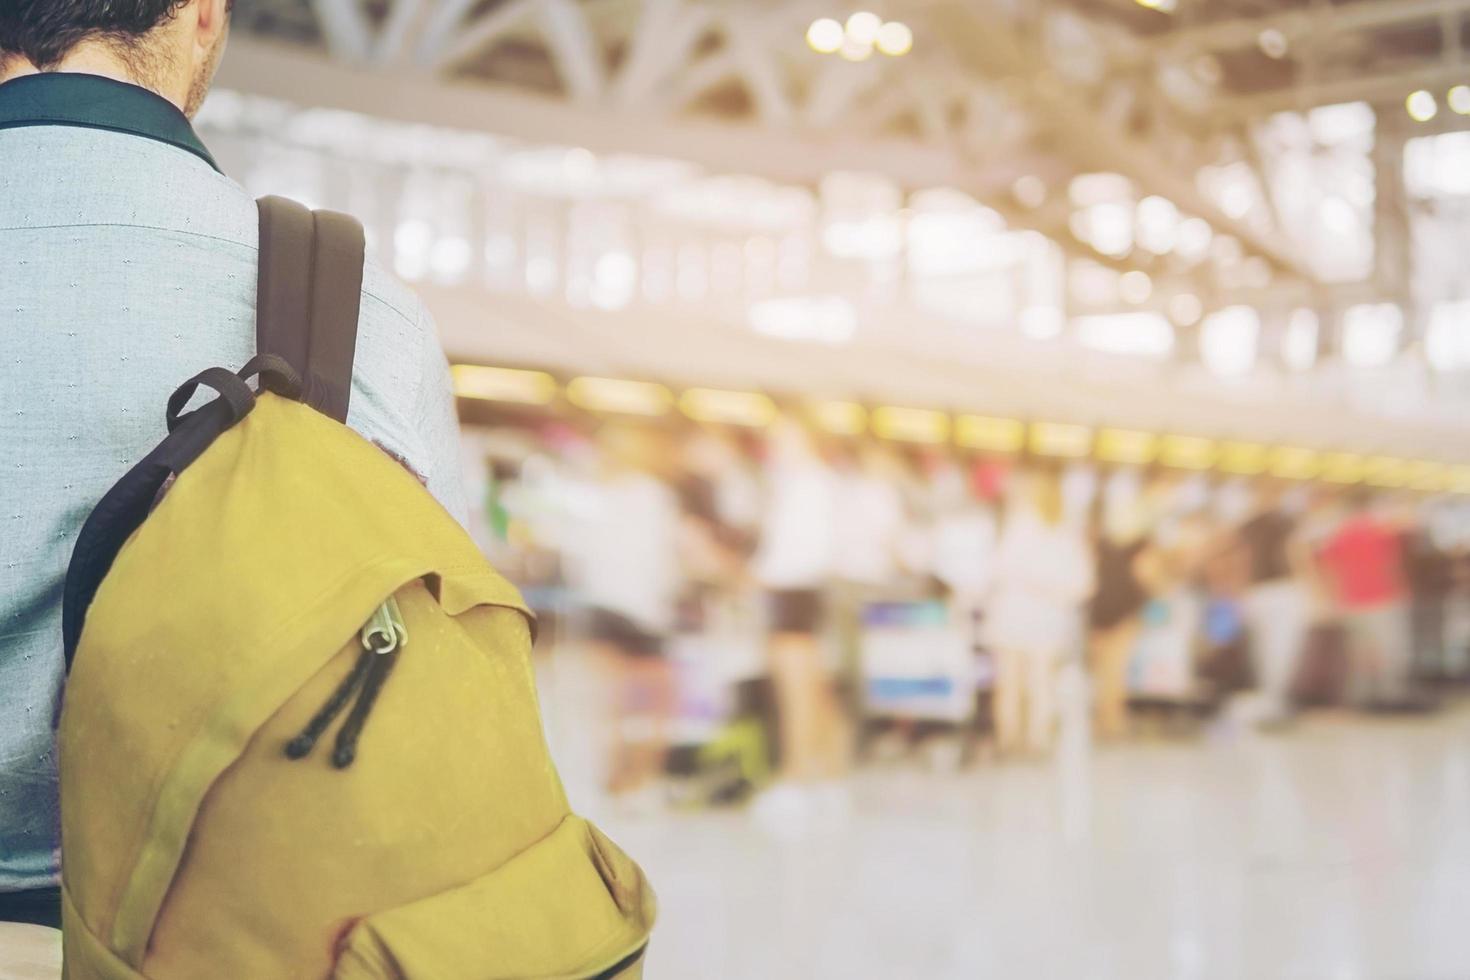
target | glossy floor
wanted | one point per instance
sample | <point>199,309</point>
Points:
<point>1336,852</point>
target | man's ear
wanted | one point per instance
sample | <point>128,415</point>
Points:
<point>209,18</point>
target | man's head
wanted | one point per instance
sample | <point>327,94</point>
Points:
<point>169,46</point>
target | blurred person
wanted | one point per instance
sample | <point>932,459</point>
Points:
<point>872,515</point>
<point>624,566</point>
<point>964,536</point>
<point>1277,602</point>
<point>867,558</point>
<point>1363,561</point>
<point>793,563</point>
<point>1429,575</point>
<point>727,490</point>
<point>1043,576</point>
<point>127,262</point>
<point>1126,561</point>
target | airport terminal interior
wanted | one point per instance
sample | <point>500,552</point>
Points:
<point>992,475</point>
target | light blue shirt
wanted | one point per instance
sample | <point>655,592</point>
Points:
<point>127,265</point>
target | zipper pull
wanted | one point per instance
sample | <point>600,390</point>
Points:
<point>383,636</point>
<point>385,631</point>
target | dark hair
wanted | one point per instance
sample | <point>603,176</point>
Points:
<point>45,31</point>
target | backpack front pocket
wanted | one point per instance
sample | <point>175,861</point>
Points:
<point>572,906</point>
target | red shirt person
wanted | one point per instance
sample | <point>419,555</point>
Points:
<point>1364,565</point>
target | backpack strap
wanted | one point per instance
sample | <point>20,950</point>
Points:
<point>308,292</point>
<point>307,297</point>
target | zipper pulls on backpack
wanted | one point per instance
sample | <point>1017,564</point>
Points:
<point>384,631</point>
<point>383,636</point>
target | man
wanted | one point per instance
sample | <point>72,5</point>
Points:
<point>128,264</point>
<point>1364,562</point>
<point>1277,603</point>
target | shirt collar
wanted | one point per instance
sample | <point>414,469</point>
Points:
<point>94,102</point>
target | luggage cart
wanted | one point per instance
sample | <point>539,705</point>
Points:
<point>721,742</point>
<point>1162,680</point>
<point>920,671</point>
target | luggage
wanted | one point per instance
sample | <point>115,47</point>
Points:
<point>1322,674</point>
<point>300,736</point>
<point>917,663</point>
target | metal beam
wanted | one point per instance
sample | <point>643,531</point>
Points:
<point>574,49</point>
<point>1068,112</point>
<point>345,28</point>
<point>1225,35</point>
<point>286,72</point>
<point>762,76</point>
<point>1375,89</point>
<point>395,39</point>
<point>660,44</point>
<point>485,31</point>
<point>836,87</point>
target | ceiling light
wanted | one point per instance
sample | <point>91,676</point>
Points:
<point>1060,439</point>
<point>863,27</point>
<point>1342,468</point>
<point>826,319</point>
<point>825,35</point>
<point>1457,479</point>
<point>1135,287</point>
<point>503,384</point>
<point>855,50</point>
<point>1157,223</point>
<point>1099,188</point>
<point>895,38</point>
<point>1207,68</point>
<point>1386,471</point>
<point>1126,446</point>
<point>1236,200</point>
<point>1257,272</point>
<point>1458,99</point>
<point>1338,216</point>
<point>1227,249</point>
<point>911,424</point>
<point>747,408</point>
<point>1162,6</point>
<point>1446,342</point>
<point>1227,341</point>
<point>1295,464</point>
<point>1141,334</point>
<point>1110,228</point>
<point>1428,476</point>
<point>1188,452</point>
<point>1370,333</point>
<point>1421,105</point>
<point>1194,238</point>
<point>839,418</point>
<point>1243,458</point>
<point>1185,309</point>
<point>1272,42</point>
<point>617,395</point>
<point>1029,191</point>
<point>1042,322</point>
<point>989,434</point>
<point>1299,343</point>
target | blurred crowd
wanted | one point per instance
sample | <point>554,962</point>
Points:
<point>767,605</point>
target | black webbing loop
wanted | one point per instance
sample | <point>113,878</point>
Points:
<point>275,375</point>
<point>233,391</point>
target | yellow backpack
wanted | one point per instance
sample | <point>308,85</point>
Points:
<point>300,735</point>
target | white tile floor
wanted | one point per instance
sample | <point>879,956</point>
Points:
<point>1337,852</point>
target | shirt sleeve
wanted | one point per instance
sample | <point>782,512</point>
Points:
<point>438,424</point>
